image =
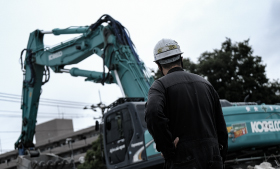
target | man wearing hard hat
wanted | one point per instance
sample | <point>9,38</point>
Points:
<point>184,115</point>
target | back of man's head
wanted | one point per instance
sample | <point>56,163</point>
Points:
<point>174,61</point>
<point>167,53</point>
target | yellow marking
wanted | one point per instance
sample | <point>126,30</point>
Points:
<point>30,94</point>
<point>139,156</point>
<point>160,50</point>
<point>229,128</point>
<point>172,47</point>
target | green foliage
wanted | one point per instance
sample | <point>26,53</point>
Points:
<point>157,75</point>
<point>94,157</point>
<point>235,73</point>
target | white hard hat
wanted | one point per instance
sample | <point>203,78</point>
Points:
<point>166,48</point>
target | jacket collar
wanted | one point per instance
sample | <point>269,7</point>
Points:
<point>175,69</point>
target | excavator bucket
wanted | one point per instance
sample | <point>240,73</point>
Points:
<point>44,161</point>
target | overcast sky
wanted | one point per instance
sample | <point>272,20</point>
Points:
<point>197,26</point>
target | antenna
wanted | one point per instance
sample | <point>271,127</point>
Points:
<point>99,96</point>
<point>100,105</point>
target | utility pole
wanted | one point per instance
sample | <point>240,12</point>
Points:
<point>69,140</point>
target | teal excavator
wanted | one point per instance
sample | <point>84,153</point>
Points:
<point>111,42</point>
<point>254,130</point>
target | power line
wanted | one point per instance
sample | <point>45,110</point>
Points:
<point>65,101</point>
<point>46,130</point>
<point>37,131</point>
<point>71,117</point>
<point>44,104</point>
<point>41,113</point>
<point>48,101</point>
<point>16,114</point>
<point>55,104</point>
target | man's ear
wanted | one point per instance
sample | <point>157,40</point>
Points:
<point>158,65</point>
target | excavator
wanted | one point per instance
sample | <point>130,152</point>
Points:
<point>254,130</point>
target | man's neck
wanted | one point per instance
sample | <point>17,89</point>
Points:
<point>165,71</point>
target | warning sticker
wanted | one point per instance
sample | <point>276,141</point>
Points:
<point>240,132</point>
<point>238,129</point>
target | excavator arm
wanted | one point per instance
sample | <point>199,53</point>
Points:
<point>111,42</point>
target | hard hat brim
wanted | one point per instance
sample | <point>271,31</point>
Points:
<point>170,59</point>
<point>167,54</point>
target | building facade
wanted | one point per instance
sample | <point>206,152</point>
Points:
<point>51,137</point>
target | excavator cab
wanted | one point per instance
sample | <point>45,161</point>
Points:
<point>124,131</point>
<point>118,135</point>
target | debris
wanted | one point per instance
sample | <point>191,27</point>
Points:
<point>264,165</point>
<point>43,161</point>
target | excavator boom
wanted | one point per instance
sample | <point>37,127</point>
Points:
<point>110,42</point>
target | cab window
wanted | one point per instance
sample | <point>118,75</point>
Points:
<point>119,131</point>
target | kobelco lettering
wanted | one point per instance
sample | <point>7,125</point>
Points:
<point>137,144</point>
<point>55,55</point>
<point>117,148</point>
<point>265,126</point>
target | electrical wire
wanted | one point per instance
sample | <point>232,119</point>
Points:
<point>54,105</point>
<point>37,131</point>
<point>41,113</point>
<point>48,130</point>
<point>48,102</point>
<point>46,99</point>
<point>48,117</point>
<point>17,114</point>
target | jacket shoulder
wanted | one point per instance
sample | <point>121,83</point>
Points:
<point>181,77</point>
<point>158,85</point>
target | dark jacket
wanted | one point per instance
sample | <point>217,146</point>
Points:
<point>185,105</point>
